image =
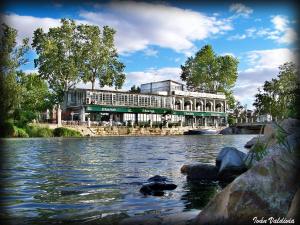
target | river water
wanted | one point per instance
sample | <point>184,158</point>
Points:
<point>98,179</point>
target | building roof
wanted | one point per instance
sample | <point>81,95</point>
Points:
<point>163,81</point>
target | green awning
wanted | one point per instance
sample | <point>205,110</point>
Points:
<point>122,109</point>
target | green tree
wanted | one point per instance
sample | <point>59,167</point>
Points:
<point>278,97</point>
<point>207,71</point>
<point>135,89</point>
<point>36,98</point>
<point>11,57</point>
<point>99,58</point>
<point>58,58</point>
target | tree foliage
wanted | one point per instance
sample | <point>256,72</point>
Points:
<point>36,98</point>
<point>135,89</point>
<point>278,97</point>
<point>11,57</point>
<point>58,59</point>
<point>207,71</point>
<point>99,58</point>
<point>70,53</point>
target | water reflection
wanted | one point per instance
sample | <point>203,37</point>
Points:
<point>198,194</point>
<point>90,179</point>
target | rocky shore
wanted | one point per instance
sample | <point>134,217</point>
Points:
<point>269,188</point>
<point>260,184</point>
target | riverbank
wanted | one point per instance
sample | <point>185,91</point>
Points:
<point>100,131</point>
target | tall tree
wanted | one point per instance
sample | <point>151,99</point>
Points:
<point>99,58</point>
<point>278,97</point>
<point>58,59</point>
<point>207,71</point>
<point>11,57</point>
<point>36,98</point>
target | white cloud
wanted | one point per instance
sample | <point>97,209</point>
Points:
<point>280,22</point>
<point>281,32</point>
<point>227,53</point>
<point>263,66</point>
<point>141,24</point>
<point>271,58</point>
<point>150,75</point>
<point>150,52</point>
<point>141,77</point>
<point>289,36</point>
<point>26,25</point>
<point>237,37</point>
<point>240,10</point>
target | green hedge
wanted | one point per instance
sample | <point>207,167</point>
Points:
<point>65,132</point>
<point>35,131</point>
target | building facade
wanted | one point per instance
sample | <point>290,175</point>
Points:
<point>159,102</point>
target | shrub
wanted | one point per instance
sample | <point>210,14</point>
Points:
<point>20,132</point>
<point>35,131</point>
<point>65,132</point>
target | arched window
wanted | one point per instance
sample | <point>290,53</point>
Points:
<point>209,106</point>
<point>199,106</point>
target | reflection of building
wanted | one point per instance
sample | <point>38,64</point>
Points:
<point>158,101</point>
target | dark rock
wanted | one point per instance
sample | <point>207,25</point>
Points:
<point>230,173</point>
<point>226,131</point>
<point>230,163</point>
<point>252,142</point>
<point>230,157</point>
<point>200,171</point>
<point>158,178</point>
<point>156,188</point>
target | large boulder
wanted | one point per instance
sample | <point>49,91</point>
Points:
<point>230,164</point>
<point>265,190</point>
<point>200,171</point>
<point>230,157</point>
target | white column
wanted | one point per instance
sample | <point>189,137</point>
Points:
<point>82,114</point>
<point>89,122</point>
<point>205,121</point>
<point>214,107</point>
<point>58,116</point>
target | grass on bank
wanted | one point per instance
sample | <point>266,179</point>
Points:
<point>11,130</point>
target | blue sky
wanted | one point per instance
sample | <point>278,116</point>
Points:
<point>155,38</point>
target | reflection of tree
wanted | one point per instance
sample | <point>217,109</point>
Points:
<point>198,194</point>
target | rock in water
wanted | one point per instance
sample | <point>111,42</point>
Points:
<point>156,186</point>
<point>237,157</point>
<point>200,171</point>
<point>230,163</point>
<point>158,178</point>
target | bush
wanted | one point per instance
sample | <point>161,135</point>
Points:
<point>20,132</point>
<point>65,132</point>
<point>35,131</point>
